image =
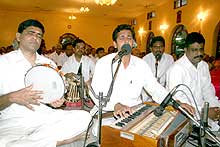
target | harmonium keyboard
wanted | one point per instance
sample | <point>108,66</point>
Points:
<point>143,129</point>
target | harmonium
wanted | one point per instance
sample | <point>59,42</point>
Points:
<point>143,129</point>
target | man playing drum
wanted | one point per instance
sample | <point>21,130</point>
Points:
<point>25,120</point>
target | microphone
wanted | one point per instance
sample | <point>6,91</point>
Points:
<point>125,50</point>
<point>81,85</point>
<point>167,101</point>
<point>205,114</point>
<point>158,57</point>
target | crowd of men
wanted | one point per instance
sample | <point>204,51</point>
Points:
<point>26,120</point>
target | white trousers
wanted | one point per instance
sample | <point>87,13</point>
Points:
<point>42,127</point>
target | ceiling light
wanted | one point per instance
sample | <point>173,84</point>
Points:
<point>105,2</point>
<point>72,17</point>
<point>84,9</point>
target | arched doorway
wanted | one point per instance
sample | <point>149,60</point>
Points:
<point>178,40</point>
<point>149,38</point>
<point>67,38</point>
<point>217,53</point>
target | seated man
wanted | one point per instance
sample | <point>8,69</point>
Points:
<point>133,74</point>
<point>72,65</point>
<point>194,73</point>
<point>25,121</point>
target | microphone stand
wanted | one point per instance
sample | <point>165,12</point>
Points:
<point>102,103</point>
<point>100,117</point>
<point>177,106</point>
<point>156,66</point>
<point>112,83</point>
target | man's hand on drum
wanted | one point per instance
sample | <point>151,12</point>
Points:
<point>121,110</point>
<point>57,103</point>
<point>26,97</point>
<point>71,75</point>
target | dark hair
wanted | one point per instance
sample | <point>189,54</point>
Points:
<point>77,41</point>
<point>120,28</point>
<point>157,38</point>
<point>65,45</point>
<point>30,22</point>
<point>99,49</point>
<point>193,38</point>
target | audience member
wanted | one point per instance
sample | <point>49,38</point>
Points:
<point>136,52</point>
<point>59,57</point>
<point>93,55</point>
<point>100,52</point>
<point>69,50</point>
<point>72,65</point>
<point>111,49</point>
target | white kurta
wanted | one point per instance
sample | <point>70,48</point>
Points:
<point>22,127</point>
<point>58,59</point>
<point>128,84</point>
<point>71,65</point>
<point>165,62</point>
<point>197,79</point>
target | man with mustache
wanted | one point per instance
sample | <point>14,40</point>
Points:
<point>158,61</point>
<point>191,71</point>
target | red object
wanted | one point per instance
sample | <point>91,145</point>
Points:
<point>73,105</point>
<point>215,77</point>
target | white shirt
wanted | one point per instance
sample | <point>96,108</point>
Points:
<point>128,84</point>
<point>165,62</point>
<point>59,59</point>
<point>20,126</point>
<point>93,58</point>
<point>197,79</point>
<point>71,65</point>
<point>16,66</point>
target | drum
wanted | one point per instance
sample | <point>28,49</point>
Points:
<point>46,79</point>
<point>77,92</point>
<point>72,96</point>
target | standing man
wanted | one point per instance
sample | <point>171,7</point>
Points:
<point>158,61</point>
<point>194,73</point>
<point>24,120</point>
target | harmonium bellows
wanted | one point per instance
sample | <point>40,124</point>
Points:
<point>143,129</point>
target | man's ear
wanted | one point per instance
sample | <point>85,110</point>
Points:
<point>134,44</point>
<point>115,44</point>
<point>18,36</point>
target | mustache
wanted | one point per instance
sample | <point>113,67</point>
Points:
<point>200,56</point>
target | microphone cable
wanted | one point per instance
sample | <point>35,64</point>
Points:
<point>87,130</point>
<point>196,105</point>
